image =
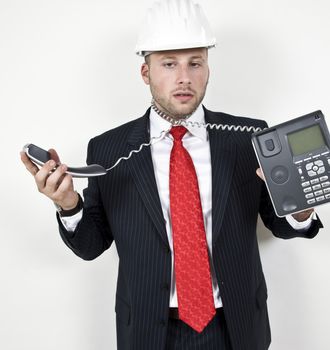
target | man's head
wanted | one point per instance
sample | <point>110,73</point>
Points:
<point>174,39</point>
<point>177,79</point>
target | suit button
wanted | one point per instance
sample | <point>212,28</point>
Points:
<point>162,323</point>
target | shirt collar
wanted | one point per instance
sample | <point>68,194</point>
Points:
<point>159,124</point>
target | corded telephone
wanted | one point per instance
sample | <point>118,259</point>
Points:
<point>294,157</point>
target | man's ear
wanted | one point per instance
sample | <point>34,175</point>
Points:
<point>145,73</point>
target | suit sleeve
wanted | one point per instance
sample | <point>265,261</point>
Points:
<point>280,226</point>
<point>92,236</point>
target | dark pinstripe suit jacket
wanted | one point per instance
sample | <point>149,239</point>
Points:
<point>124,206</point>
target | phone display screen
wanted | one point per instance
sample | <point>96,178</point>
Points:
<point>306,140</point>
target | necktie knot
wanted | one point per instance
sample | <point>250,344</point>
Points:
<point>178,132</point>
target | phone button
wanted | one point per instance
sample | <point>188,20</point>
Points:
<point>311,201</point>
<point>312,173</point>
<point>319,199</point>
<point>270,145</point>
<point>319,162</point>
<point>318,193</point>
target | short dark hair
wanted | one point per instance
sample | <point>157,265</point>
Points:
<point>147,59</point>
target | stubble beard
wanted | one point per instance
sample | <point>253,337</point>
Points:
<point>170,109</point>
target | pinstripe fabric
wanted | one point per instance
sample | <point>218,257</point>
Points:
<point>214,337</point>
<point>124,206</point>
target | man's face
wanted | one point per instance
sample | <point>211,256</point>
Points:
<point>177,79</point>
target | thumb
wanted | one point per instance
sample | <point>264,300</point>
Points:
<point>260,174</point>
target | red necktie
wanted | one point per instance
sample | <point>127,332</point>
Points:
<point>191,261</point>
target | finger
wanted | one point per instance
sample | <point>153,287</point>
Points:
<point>54,155</point>
<point>30,166</point>
<point>65,193</point>
<point>54,180</point>
<point>308,211</point>
<point>43,173</point>
<point>64,188</point>
<point>260,174</point>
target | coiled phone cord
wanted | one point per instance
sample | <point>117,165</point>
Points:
<point>184,122</point>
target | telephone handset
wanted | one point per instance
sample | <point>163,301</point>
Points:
<point>40,156</point>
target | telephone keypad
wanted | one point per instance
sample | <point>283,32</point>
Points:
<point>317,189</point>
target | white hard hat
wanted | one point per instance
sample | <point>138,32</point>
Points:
<point>174,24</point>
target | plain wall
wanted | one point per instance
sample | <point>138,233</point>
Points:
<point>67,73</point>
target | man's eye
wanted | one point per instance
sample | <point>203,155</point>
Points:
<point>169,64</point>
<point>195,64</point>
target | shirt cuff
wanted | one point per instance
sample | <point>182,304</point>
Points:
<point>71,222</point>
<point>301,225</point>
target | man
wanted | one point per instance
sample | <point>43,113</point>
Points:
<point>183,212</point>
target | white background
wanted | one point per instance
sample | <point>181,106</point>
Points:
<point>68,72</point>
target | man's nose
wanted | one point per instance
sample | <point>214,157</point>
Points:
<point>183,75</point>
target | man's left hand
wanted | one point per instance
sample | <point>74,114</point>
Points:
<point>303,215</point>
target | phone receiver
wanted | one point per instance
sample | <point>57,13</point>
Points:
<point>40,156</point>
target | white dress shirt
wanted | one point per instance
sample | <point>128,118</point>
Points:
<point>196,142</point>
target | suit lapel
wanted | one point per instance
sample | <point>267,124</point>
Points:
<point>141,168</point>
<point>223,156</point>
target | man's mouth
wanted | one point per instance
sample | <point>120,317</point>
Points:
<point>183,96</point>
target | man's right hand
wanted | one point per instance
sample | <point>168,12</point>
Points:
<point>56,185</point>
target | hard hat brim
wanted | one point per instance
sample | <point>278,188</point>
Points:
<point>143,51</point>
